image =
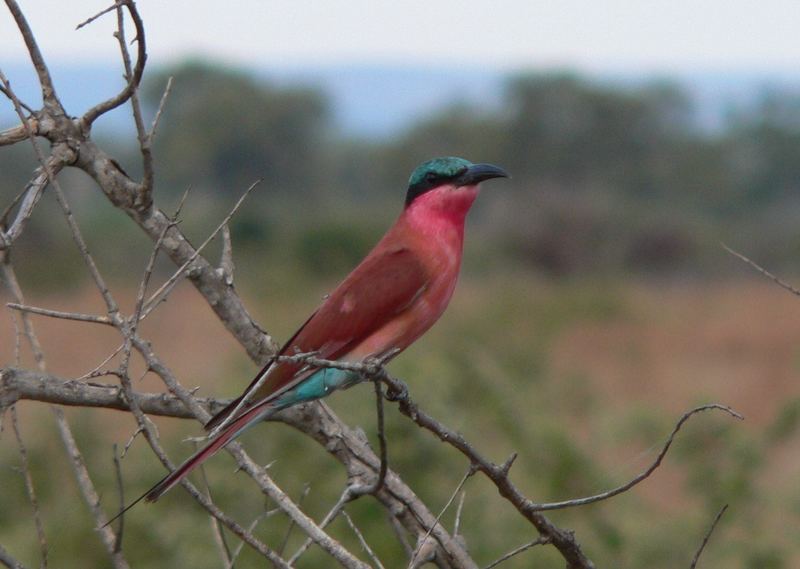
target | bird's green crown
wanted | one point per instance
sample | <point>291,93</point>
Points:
<point>434,173</point>
<point>441,168</point>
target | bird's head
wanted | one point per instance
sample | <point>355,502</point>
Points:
<point>449,182</point>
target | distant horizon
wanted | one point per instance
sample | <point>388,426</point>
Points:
<point>360,92</point>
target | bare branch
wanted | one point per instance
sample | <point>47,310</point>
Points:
<point>101,13</point>
<point>400,532</point>
<point>250,529</point>
<point>49,96</point>
<point>10,277</point>
<point>699,551</point>
<point>49,168</point>
<point>424,539</point>
<point>762,270</point>
<point>161,104</point>
<point>27,108</point>
<point>32,194</point>
<point>540,541</point>
<point>133,79</point>
<point>216,525</point>
<point>642,476</point>
<point>121,492</point>
<point>144,142</point>
<point>86,486</point>
<point>292,525</point>
<point>226,259</point>
<point>459,510</point>
<point>19,385</point>
<point>164,289</point>
<point>26,474</point>
<point>16,133</point>
<point>97,371</point>
<point>8,560</point>
<point>362,541</point>
<point>61,314</point>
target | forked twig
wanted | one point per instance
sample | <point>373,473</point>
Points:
<point>470,471</point>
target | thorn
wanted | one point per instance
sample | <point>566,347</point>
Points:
<point>508,463</point>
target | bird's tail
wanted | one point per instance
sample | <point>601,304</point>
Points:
<point>225,436</point>
<point>217,419</point>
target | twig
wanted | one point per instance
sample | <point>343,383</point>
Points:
<point>144,143</point>
<point>165,288</point>
<point>470,472</point>
<point>86,486</point>
<point>161,105</point>
<point>8,560</point>
<point>226,258</point>
<point>139,430</point>
<point>544,540</point>
<point>251,527</point>
<point>699,551</point>
<point>216,526</point>
<point>362,541</point>
<point>101,13</point>
<point>762,270</point>
<point>121,493</point>
<point>459,510</point>
<point>60,314</point>
<point>400,533</point>
<point>26,474</point>
<point>12,135</point>
<point>49,96</point>
<point>133,79</point>
<point>35,188</point>
<point>643,475</point>
<point>95,372</point>
<point>10,277</point>
<point>284,543</point>
<point>337,508</point>
<point>355,492</point>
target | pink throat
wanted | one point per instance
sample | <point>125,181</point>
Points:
<point>446,204</point>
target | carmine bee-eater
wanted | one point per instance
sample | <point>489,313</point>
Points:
<point>390,299</point>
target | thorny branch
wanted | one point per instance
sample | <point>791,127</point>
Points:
<point>17,384</point>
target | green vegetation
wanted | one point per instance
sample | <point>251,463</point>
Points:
<point>607,180</point>
<point>610,185</point>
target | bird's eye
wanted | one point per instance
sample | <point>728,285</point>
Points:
<point>430,176</point>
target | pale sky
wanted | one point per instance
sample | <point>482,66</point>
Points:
<point>637,35</point>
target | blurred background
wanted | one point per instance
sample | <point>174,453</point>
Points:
<point>596,303</point>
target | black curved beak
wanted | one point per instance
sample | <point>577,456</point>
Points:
<point>478,173</point>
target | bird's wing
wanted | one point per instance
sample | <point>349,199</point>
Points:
<point>385,284</point>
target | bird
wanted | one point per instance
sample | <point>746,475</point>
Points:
<point>397,292</point>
